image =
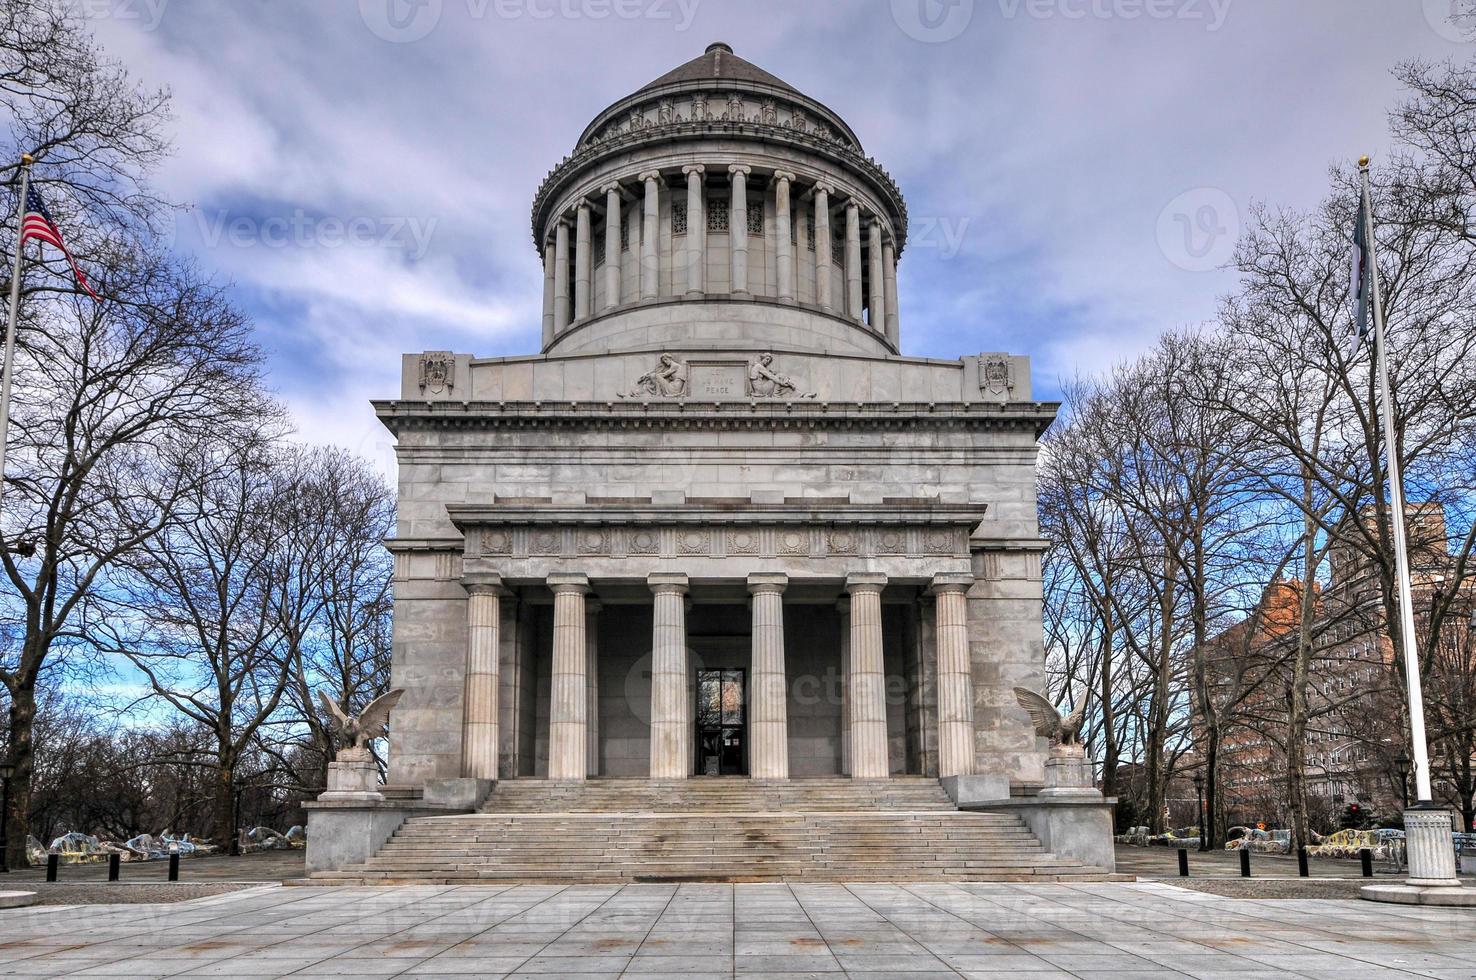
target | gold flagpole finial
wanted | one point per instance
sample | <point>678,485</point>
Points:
<point>27,159</point>
<point>1363,162</point>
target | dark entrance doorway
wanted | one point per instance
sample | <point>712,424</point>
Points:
<point>722,725</point>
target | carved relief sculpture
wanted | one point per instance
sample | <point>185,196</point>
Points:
<point>765,382</point>
<point>437,371</point>
<point>996,376</point>
<point>668,380</point>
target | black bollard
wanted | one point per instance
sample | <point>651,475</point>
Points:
<point>1366,857</point>
<point>1302,871</point>
<point>53,861</point>
<point>174,867</point>
<point>1245,862</point>
<point>114,861</point>
<point>1183,862</point>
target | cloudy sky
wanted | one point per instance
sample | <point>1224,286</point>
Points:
<point>1075,169</point>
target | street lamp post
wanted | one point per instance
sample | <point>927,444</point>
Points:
<point>1199,796</point>
<point>6,771</point>
<point>1401,763</point>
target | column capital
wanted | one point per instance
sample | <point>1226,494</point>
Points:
<point>957,582</point>
<point>843,605</point>
<point>694,168</point>
<point>667,583</point>
<point>582,206</point>
<point>739,168</point>
<point>863,582</point>
<point>649,175</point>
<point>592,606</point>
<point>784,175</point>
<point>853,205</point>
<point>489,584</point>
<point>767,582</point>
<point>824,187</point>
<point>566,582</point>
<point>613,187</point>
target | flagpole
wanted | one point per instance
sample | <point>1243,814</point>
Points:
<point>1427,828</point>
<point>15,284</point>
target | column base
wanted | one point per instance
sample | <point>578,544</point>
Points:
<point>461,794</point>
<point>1451,896</point>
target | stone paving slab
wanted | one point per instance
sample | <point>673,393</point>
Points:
<point>749,931</point>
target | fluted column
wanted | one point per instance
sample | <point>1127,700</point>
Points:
<point>592,686</point>
<point>569,699</point>
<point>550,268</point>
<point>696,232</point>
<point>866,686</point>
<point>480,728</point>
<point>738,228</point>
<point>612,246</point>
<point>783,247</point>
<point>768,713</point>
<point>583,263</point>
<point>853,260</point>
<point>844,608</point>
<point>889,277</point>
<point>671,727</point>
<point>878,288</point>
<point>561,277</point>
<point>650,257</point>
<point>955,675</point>
<point>822,246</point>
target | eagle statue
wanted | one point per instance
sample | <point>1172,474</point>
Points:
<point>358,731</point>
<point>1048,721</point>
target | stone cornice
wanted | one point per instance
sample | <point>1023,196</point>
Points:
<point>735,415</point>
<point>656,134</point>
<point>898,514</point>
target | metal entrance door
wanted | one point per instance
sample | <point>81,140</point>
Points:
<point>722,725</point>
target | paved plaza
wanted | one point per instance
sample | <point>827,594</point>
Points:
<point>696,931</point>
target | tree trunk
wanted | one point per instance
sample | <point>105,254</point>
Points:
<point>224,818</point>
<point>21,753</point>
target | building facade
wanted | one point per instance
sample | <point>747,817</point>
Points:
<point>719,525</point>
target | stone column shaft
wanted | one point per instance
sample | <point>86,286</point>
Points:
<point>567,712</point>
<point>768,712</point>
<point>612,246</point>
<point>550,270</point>
<point>738,229</point>
<point>592,687</point>
<point>783,247</point>
<point>955,676</point>
<point>878,297</point>
<point>480,731</point>
<point>583,263</point>
<point>671,728</point>
<point>853,260</point>
<point>844,607</point>
<point>561,277</point>
<point>650,257</point>
<point>866,687</point>
<point>889,277</point>
<point>696,232</point>
<point>822,246</point>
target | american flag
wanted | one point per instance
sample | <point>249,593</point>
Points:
<point>38,224</point>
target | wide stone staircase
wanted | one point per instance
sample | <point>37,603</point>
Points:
<point>629,830</point>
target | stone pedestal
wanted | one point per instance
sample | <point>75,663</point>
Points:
<point>353,781</point>
<point>1068,775</point>
<point>1432,864</point>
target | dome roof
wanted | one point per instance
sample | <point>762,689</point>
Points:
<point>718,63</point>
<point>718,69</point>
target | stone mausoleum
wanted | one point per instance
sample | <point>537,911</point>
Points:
<point>719,529</point>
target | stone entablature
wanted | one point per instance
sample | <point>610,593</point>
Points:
<point>804,532</point>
